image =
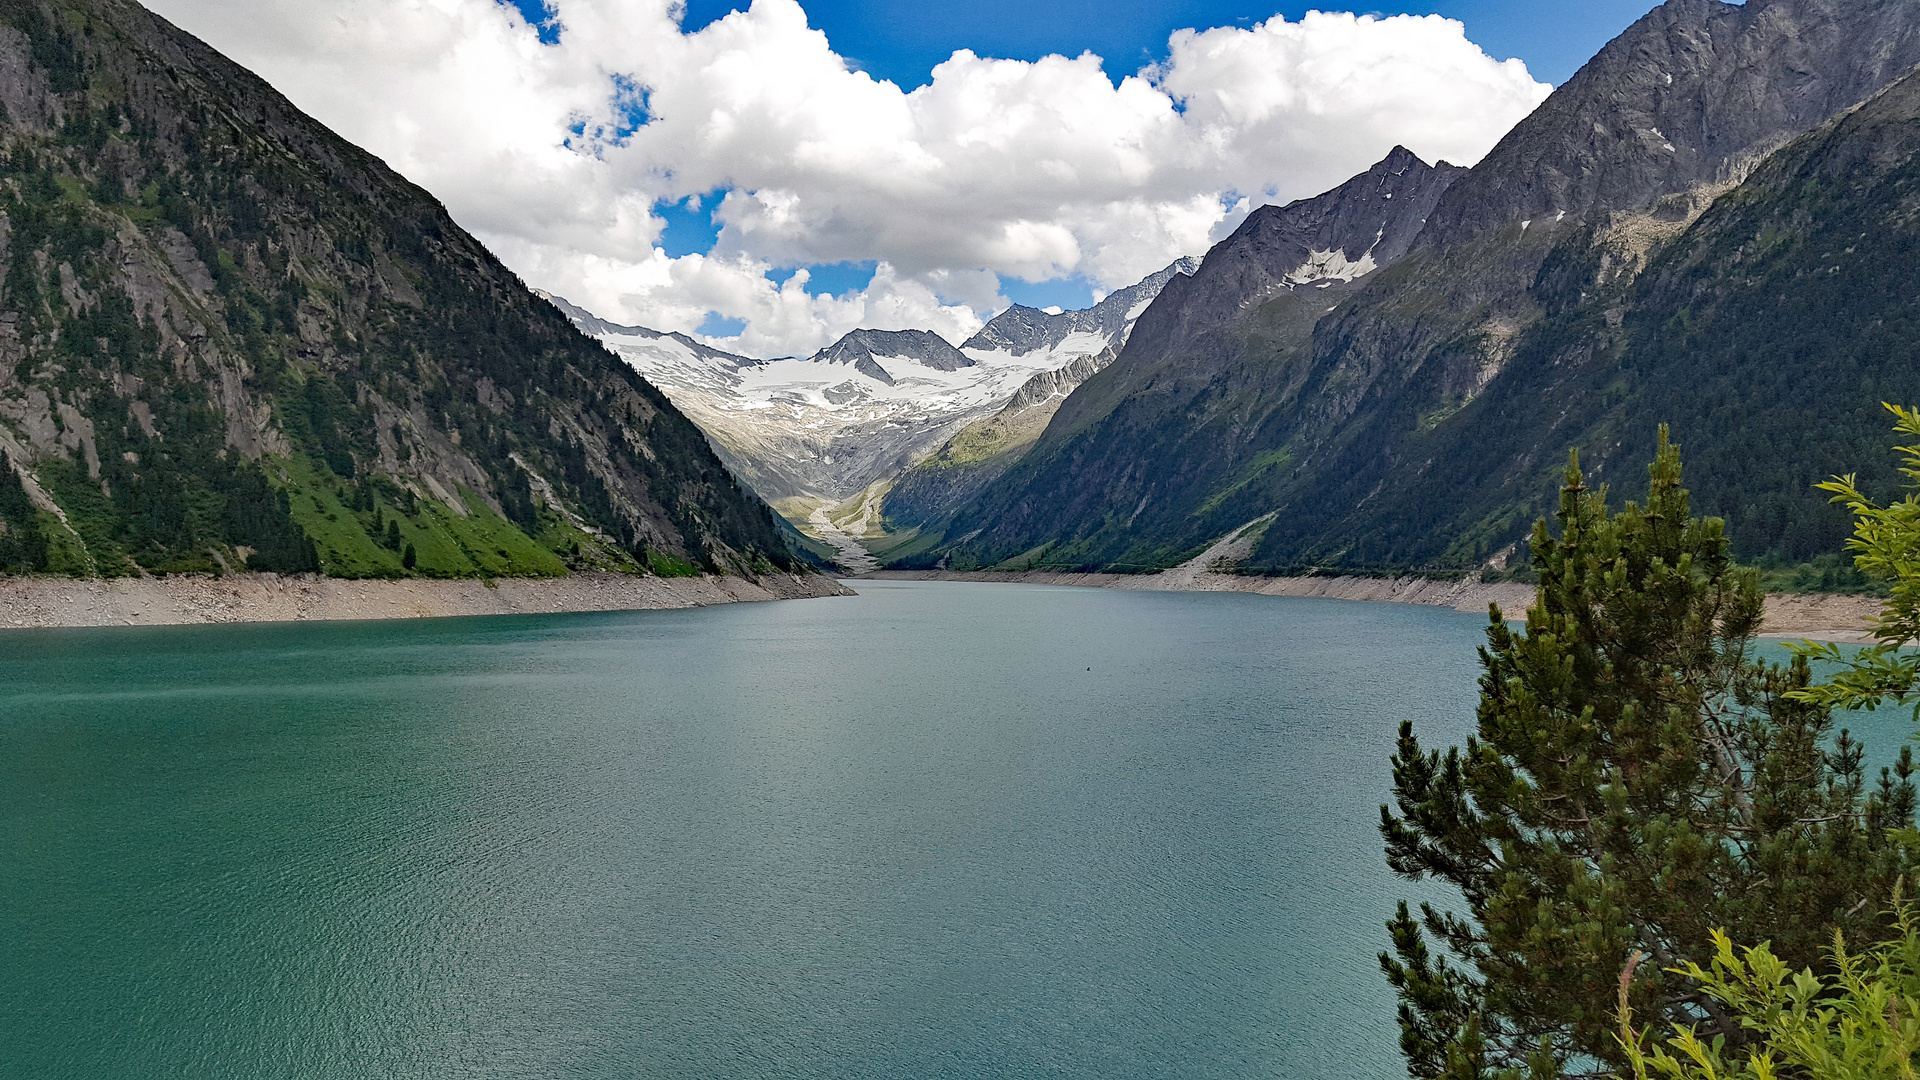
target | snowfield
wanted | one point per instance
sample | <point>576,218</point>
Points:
<point>808,427</point>
<point>827,427</point>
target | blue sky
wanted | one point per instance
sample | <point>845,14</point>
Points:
<point>1044,184</point>
<point>902,40</point>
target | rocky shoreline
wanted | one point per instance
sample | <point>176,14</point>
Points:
<point>191,598</point>
<point>1821,616</point>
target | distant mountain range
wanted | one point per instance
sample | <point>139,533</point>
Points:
<point>1705,226</point>
<point>813,433</point>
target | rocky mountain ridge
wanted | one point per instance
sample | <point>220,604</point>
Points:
<point>1235,399</point>
<point>1021,329</point>
<point>865,348</point>
<point>1691,95</point>
<point>818,431</point>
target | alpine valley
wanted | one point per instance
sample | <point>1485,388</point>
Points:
<point>233,341</point>
<point>826,437</point>
<point>1713,224</point>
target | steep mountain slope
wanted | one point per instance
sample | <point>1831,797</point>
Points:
<point>825,428</point>
<point>1766,335</point>
<point>231,338</point>
<point>1560,218</point>
<point>1234,332</point>
<point>979,453</point>
<point>1689,95</point>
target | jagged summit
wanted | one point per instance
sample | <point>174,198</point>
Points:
<point>864,349</point>
<point>1693,93</point>
<point>1344,234</point>
<point>864,408</point>
<point>1021,329</point>
<point>1307,246</point>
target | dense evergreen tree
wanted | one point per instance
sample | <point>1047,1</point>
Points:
<point>1638,781</point>
<point>23,546</point>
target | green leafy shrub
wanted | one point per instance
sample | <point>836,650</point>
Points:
<point>1859,1020</point>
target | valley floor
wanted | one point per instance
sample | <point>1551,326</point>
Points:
<point>182,599</point>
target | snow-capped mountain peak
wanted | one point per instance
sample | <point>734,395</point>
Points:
<point>864,349</point>
<point>1020,330</point>
<point>862,409</point>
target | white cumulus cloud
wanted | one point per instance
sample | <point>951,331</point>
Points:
<point>557,155</point>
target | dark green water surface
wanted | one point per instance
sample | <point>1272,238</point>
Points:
<point>907,835</point>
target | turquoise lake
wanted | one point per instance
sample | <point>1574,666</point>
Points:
<point>937,830</point>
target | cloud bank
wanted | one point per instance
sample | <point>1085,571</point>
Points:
<point>559,155</point>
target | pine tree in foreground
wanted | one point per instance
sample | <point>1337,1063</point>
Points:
<point>1638,782</point>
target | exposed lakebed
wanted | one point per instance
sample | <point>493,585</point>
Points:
<point>935,830</point>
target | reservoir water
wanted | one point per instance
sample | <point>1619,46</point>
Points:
<point>937,830</point>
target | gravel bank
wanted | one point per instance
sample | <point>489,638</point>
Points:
<point>181,599</point>
<point>1822,617</point>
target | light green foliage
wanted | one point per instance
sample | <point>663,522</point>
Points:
<point>1638,779</point>
<point>1886,546</point>
<point>664,564</point>
<point>341,517</point>
<point>1829,573</point>
<point>90,547</point>
<point>1258,467</point>
<point>1860,1020</point>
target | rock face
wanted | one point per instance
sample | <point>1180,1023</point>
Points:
<point>1362,413</point>
<point>1766,334</point>
<point>864,348</point>
<point>1020,330</point>
<point>231,339</point>
<point>861,410</point>
<point>1692,94</point>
